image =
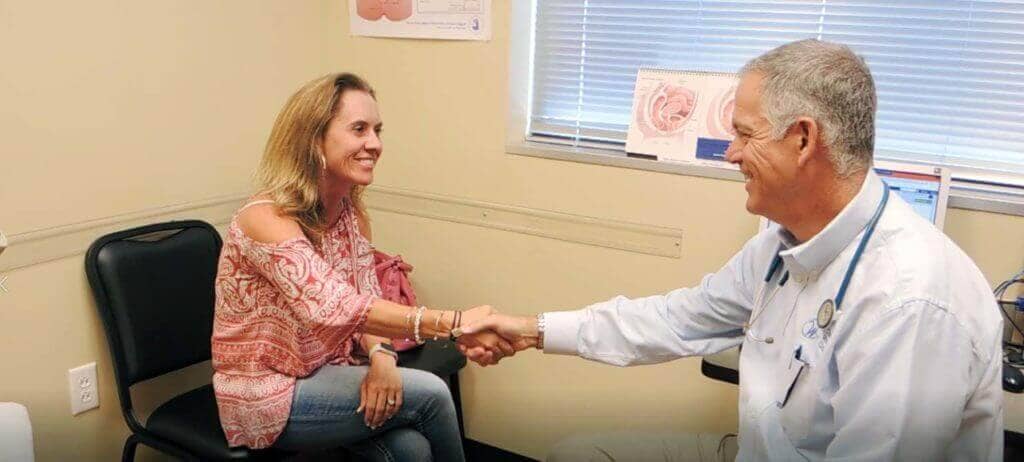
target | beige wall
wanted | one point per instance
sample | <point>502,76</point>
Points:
<point>117,107</point>
<point>114,107</point>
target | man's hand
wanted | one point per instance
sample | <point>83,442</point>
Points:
<point>518,331</point>
<point>488,348</point>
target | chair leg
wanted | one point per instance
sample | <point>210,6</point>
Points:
<point>453,383</point>
<point>128,455</point>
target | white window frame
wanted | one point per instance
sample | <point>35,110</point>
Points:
<point>968,195</point>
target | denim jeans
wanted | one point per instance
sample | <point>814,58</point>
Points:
<point>324,416</point>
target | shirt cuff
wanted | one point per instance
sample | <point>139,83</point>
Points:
<point>561,332</point>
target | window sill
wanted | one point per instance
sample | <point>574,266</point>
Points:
<point>963,194</point>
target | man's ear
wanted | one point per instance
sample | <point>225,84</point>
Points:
<point>805,136</point>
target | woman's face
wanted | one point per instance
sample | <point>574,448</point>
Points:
<point>351,144</point>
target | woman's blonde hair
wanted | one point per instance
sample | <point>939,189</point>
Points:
<point>292,165</point>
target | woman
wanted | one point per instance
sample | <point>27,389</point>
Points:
<point>297,299</point>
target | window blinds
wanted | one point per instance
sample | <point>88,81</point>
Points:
<point>948,73</point>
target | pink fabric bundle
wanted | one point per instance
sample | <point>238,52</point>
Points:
<point>393,276</point>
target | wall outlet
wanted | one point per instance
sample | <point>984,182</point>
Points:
<point>83,387</point>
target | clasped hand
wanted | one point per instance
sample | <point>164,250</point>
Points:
<point>487,336</point>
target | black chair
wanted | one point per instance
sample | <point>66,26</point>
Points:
<point>444,360</point>
<point>154,289</point>
<point>722,367</point>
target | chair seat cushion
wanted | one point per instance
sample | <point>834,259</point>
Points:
<point>191,421</point>
<point>440,357</point>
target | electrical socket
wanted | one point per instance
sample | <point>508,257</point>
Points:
<point>83,388</point>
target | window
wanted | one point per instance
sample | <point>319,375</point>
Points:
<point>948,73</point>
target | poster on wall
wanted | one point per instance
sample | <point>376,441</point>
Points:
<point>422,19</point>
<point>683,116</point>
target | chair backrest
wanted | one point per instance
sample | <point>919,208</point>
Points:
<point>154,289</point>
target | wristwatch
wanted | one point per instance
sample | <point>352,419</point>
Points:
<point>540,331</point>
<point>385,348</point>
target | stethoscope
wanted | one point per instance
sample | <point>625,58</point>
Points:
<point>830,306</point>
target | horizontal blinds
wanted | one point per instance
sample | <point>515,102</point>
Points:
<point>948,72</point>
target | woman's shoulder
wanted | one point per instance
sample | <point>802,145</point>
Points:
<point>263,221</point>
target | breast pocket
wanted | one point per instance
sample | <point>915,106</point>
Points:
<point>795,395</point>
<point>788,383</point>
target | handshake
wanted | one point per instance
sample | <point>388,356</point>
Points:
<point>486,336</point>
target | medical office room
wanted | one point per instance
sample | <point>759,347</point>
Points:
<point>541,156</point>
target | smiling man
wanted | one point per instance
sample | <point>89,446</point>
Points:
<point>867,334</point>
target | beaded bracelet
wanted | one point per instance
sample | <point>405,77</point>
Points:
<point>416,326</point>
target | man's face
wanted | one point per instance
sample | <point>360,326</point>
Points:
<point>769,166</point>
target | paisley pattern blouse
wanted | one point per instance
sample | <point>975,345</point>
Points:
<point>282,311</point>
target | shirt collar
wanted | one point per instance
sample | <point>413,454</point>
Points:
<point>806,260</point>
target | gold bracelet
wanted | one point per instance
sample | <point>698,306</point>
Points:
<point>437,324</point>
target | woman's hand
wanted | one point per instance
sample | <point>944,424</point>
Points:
<point>487,348</point>
<point>520,332</point>
<point>380,395</point>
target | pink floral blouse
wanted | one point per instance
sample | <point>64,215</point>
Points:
<point>282,311</point>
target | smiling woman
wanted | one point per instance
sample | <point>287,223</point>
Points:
<point>298,304</point>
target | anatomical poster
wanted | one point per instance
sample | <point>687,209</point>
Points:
<point>423,19</point>
<point>682,116</point>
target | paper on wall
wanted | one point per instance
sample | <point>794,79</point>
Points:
<point>682,116</point>
<point>423,19</point>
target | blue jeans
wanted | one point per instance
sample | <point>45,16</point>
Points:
<point>324,416</point>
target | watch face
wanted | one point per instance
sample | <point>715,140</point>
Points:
<point>387,346</point>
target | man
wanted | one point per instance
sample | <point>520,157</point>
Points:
<point>866,333</point>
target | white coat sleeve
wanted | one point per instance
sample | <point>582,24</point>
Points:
<point>685,322</point>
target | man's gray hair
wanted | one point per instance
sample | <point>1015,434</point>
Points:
<point>829,83</point>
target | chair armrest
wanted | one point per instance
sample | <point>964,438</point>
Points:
<point>722,366</point>
<point>440,357</point>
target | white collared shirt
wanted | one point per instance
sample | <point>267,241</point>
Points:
<point>909,368</point>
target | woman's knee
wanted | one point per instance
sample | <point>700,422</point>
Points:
<point>407,444</point>
<point>398,445</point>
<point>425,385</point>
